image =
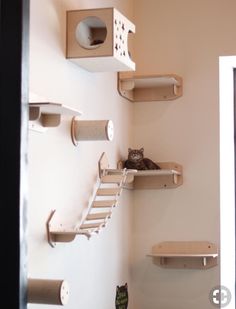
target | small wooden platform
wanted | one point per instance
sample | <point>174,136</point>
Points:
<point>185,254</point>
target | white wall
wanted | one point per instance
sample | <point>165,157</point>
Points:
<point>183,37</point>
<point>62,177</point>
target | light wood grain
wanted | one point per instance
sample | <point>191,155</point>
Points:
<point>185,254</point>
<point>146,88</point>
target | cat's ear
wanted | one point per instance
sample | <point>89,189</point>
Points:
<point>117,288</point>
<point>129,150</point>
<point>141,149</point>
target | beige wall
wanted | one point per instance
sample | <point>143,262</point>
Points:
<point>183,37</point>
<point>62,177</point>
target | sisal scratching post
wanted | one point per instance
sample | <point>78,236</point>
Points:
<point>91,130</point>
<point>50,292</point>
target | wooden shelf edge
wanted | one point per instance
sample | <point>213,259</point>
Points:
<point>214,255</point>
<point>162,172</point>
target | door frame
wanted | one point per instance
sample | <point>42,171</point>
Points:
<point>227,66</point>
<point>14,50</point>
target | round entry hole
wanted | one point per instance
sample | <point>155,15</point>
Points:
<point>91,32</point>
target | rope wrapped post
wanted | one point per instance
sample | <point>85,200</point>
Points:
<point>91,130</point>
<point>50,292</point>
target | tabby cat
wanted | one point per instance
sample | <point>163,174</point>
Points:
<point>137,161</point>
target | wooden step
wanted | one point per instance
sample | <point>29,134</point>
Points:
<point>112,178</point>
<point>86,226</point>
<point>108,191</point>
<point>98,216</point>
<point>104,203</point>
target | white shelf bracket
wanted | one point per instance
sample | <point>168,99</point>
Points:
<point>175,179</point>
<point>91,130</point>
<point>204,261</point>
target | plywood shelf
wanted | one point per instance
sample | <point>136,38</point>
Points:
<point>49,114</point>
<point>141,88</point>
<point>185,254</point>
<point>169,176</point>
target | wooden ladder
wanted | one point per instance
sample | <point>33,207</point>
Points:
<point>105,199</point>
<point>99,212</point>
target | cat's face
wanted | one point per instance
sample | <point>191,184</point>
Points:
<point>135,154</point>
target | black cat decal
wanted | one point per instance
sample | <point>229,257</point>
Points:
<point>122,297</point>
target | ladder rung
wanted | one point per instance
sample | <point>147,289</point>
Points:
<point>112,178</point>
<point>86,226</point>
<point>98,216</point>
<point>108,191</point>
<point>104,203</point>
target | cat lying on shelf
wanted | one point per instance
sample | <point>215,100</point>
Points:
<point>137,161</point>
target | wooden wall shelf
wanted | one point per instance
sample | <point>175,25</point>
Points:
<point>49,114</point>
<point>169,176</point>
<point>141,88</point>
<point>185,254</point>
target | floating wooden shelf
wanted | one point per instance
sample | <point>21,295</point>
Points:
<point>185,254</point>
<point>49,114</point>
<point>141,88</point>
<point>169,176</point>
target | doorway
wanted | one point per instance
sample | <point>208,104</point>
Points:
<point>227,174</point>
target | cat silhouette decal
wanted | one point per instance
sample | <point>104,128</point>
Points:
<point>122,297</point>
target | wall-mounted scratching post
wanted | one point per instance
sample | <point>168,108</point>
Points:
<point>97,40</point>
<point>50,292</point>
<point>91,130</point>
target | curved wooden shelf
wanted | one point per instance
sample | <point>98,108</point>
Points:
<point>169,176</point>
<point>185,254</point>
<point>141,88</point>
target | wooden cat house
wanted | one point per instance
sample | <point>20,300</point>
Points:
<point>97,40</point>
